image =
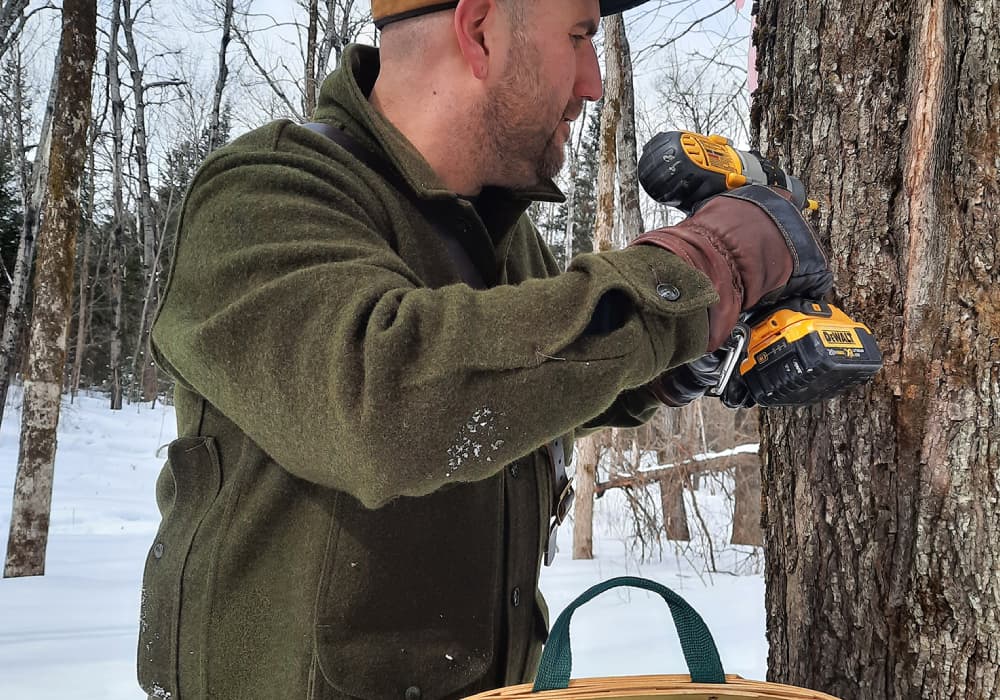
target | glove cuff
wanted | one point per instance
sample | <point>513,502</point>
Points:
<point>700,248</point>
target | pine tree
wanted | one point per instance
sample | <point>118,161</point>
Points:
<point>11,222</point>
<point>584,196</point>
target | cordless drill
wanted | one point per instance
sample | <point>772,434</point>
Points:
<point>795,352</point>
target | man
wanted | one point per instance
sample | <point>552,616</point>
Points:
<point>378,363</point>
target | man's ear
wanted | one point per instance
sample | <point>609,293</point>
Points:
<point>474,20</point>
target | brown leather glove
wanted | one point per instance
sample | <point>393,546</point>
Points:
<point>755,247</point>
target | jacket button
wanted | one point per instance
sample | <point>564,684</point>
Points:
<point>514,470</point>
<point>515,597</point>
<point>668,292</point>
<point>412,693</point>
<point>158,550</point>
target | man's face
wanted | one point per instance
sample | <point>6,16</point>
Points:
<point>551,69</point>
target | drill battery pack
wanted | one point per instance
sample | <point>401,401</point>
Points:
<point>807,351</point>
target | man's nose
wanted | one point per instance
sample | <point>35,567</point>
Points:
<point>588,75</point>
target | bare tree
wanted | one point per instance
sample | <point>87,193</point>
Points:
<point>142,363</point>
<point>116,239</point>
<point>84,295</point>
<point>592,446</point>
<point>33,191</point>
<point>311,95</point>
<point>214,122</point>
<point>326,35</point>
<point>628,171</point>
<point>53,293</point>
<point>13,19</point>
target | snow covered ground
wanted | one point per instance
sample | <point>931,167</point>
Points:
<point>72,633</point>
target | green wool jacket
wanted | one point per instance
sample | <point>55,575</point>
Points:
<point>357,502</point>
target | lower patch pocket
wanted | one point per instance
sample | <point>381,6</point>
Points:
<point>187,487</point>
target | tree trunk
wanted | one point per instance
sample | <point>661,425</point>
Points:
<point>214,123</point>
<point>675,522</point>
<point>309,98</point>
<point>628,156</point>
<point>33,193</point>
<point>882,507</point>
<point>83,309</point>
<point>142,363</point>
<point>53,291</point>
<point>746,506</point>
<point>604,224</point>
<point>115,243</point>
<point>590,446</point>
<point>585,477</point>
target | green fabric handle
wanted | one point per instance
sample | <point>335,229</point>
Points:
<point>696,641</point>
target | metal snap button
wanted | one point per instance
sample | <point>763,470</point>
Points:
<point>668,292</point>
<point>412,693</point>
<point>158,550</point>
<point>515,597</point>
<point>514,471</point>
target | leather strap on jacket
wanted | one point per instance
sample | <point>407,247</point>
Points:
<point>562,495</point>
<point>562,486</point>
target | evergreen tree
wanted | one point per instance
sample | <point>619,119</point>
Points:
<point>584,197</point>
<point>11,222</point>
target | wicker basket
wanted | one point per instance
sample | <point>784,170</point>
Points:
<point>706,680</point>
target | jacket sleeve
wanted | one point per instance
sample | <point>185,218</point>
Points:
<point>288,311</point>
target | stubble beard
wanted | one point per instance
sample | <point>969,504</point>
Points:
<point>523,150</point>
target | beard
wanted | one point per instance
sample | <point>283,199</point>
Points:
<point>522,141</point>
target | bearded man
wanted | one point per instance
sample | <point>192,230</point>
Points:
<point>380,368</point>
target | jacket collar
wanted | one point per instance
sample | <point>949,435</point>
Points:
<point>343,101</point>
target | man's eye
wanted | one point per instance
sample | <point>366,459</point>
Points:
<point>577,39</point>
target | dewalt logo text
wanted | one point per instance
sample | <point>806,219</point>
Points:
<point>840,338</point>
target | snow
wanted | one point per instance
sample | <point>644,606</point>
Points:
<point>75,629</point>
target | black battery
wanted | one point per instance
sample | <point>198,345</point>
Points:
<point>816,365</point>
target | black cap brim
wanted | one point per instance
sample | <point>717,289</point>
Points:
<point>612,7</point>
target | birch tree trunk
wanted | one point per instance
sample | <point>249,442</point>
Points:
<point>604,223</point>
<point>33,192</point>
<point>882,507</point>
<point>53,292</point>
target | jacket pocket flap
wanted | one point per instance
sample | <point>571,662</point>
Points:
<point>356,665</point>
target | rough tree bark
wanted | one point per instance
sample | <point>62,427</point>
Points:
<point>882,508</point>
<point>53,292</point>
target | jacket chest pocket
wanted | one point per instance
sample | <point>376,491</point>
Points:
<point>187,487</point>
